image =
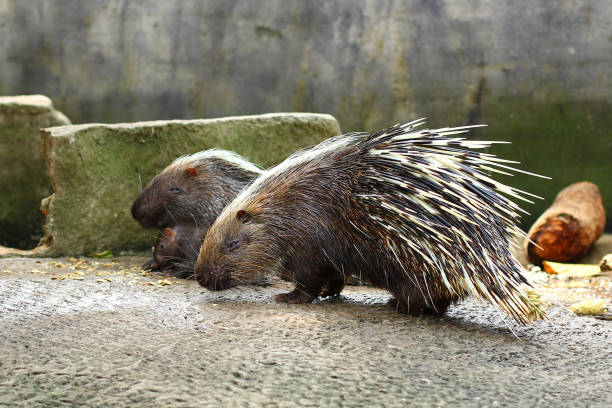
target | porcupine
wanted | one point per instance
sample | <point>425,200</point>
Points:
<point>176,250</point>
<point>192,191</point>
<point>413,211</point>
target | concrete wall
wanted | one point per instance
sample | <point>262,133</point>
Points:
<point>537,71</point>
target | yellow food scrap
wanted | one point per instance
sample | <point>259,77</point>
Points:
<point>565,270</point>
<point>589,307</point>
<point>54,277</point>
<point>100,280</point>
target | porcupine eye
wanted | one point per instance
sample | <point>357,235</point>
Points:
<point>175,190</point>
<point>233,245</point>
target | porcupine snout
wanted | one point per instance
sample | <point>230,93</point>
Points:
<point>137,211</point>
<point>213,277</point>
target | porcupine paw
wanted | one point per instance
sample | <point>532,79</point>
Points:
<point>398,306</point>
<point>151,264</point>
<point>294,297</point>
<point>402,306</point>
<point>333,287</point>
<point>440,308</point>
<point>326,292</point>
<point>417,309</point>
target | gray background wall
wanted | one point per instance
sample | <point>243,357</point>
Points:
<point>538,72</point>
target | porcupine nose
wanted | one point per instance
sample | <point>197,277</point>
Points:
<point>137,211</point>
<point>213,277</point>
<point>216,271</point>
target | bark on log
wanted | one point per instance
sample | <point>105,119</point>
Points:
<point>567,230</point>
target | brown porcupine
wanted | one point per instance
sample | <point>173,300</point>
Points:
<point>190,193</point>
<point>176,250</point>
<point>412,211</point>
<point>193,189</point>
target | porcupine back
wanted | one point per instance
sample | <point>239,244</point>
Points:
<point>414,212</point>
<point>445,216</point>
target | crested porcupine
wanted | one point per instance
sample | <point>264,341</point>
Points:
<point>193,189</point>
<point>176,250</point>
<point>411,211</point>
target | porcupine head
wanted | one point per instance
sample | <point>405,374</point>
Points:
<point>166,248</point>
<point>237,241</point>
<point>193,189</point>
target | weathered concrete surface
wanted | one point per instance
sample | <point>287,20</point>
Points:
<point>537,71</point>
<point>88,343</point>
<point>23,178</point>
<point>98,170</point>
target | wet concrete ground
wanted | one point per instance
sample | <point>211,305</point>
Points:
<point>104,335</point>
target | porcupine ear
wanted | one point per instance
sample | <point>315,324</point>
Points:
<point>190,172</point>
<point>243,216</point>
<point>169,232</point>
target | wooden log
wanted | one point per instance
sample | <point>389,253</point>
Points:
<point>567,230</point>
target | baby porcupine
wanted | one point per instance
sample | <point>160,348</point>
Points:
<point>176,250</point>
<point>411,211</point>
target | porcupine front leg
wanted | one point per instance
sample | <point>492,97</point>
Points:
<point>308,283</point>
<point>334,285</point>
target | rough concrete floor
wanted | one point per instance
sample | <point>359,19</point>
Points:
<point>104,335</point>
